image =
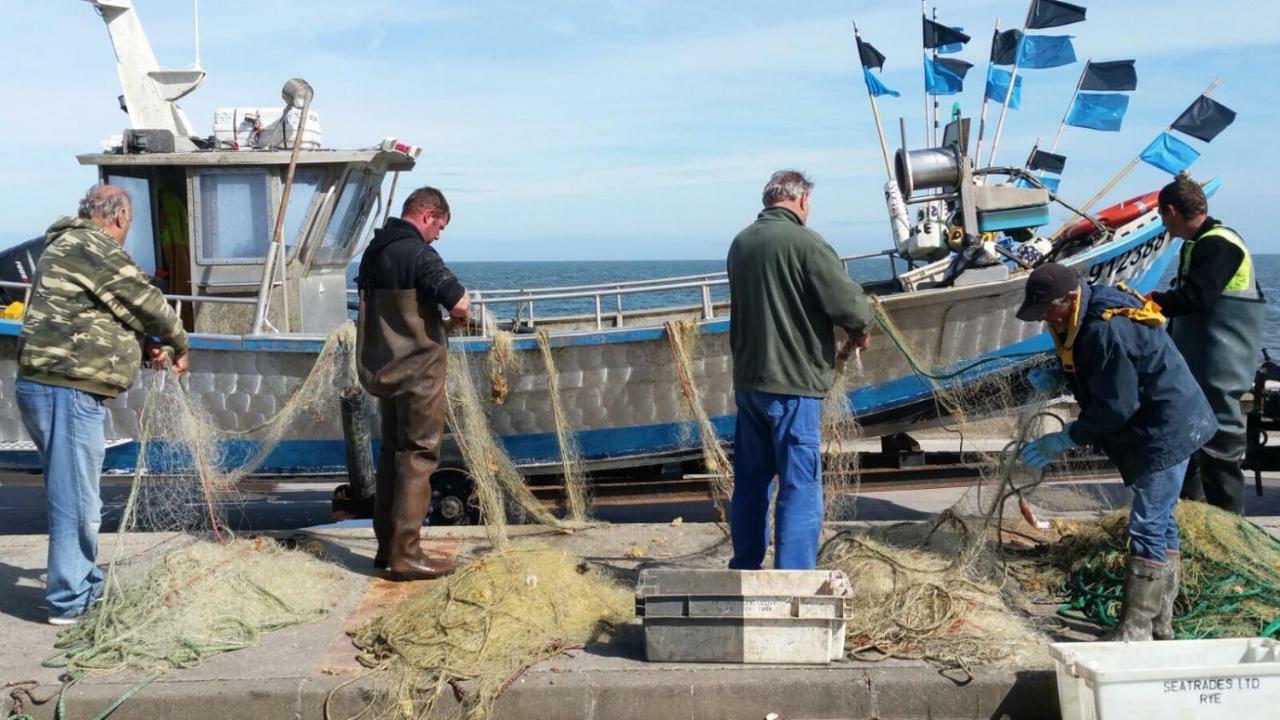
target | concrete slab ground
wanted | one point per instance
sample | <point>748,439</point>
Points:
<point>290,672</point>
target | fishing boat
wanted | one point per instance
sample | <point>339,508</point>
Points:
<point>252,230</point>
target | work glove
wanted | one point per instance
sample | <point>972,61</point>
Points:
<point>1046,379</point>
<point>1040,453</point>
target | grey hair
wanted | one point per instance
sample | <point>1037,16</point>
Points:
<point>786,185</point>
<point>104,202</point>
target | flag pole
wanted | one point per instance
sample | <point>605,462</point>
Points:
<point>1079,83</point>
<point>1008,93</point>
<point>982,117</point>
<point>1127,169</point>
<point>935,97</point>
<point>924,15</point>
<point>875,112</point>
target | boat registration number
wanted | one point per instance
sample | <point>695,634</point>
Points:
<point>1128,263</point>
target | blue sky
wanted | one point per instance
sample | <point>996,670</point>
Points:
<point>634,130</point>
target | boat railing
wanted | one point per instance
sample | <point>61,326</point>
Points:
<point>177,300</point>
<point>524,300</point>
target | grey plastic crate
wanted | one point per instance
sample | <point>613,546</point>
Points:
<point>743,616</point>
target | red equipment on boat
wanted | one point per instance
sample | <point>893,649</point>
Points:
<point>1115,215</point>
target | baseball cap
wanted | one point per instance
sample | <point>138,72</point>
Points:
<point>1047,283</point>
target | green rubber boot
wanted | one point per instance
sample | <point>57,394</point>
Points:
<point>1143,588</point>
<point>1162,626</point>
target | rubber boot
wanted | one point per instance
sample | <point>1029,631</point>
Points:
<point>1162,625</point>
<point>1143,588</point>
<point>385,484</point>
<point>406,560</point>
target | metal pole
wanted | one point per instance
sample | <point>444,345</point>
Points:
<point>982,117</point>
<point>875,113</point>
<point>1120,175</point>
<point>1008,93</point>
<point>924,15</point>
<point>269,261</point>
<point>391,196</point>
<point>935,136</point>
<point>1058,135</point>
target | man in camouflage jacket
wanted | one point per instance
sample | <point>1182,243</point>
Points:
<point>91,308</point>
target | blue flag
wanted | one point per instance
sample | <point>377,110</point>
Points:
<point>1053,183</point>
<point>944,77</point>
<point>875,87</point>
<point>1169,154</point>
<point>953,47</point>
<point>998,85</point>
<point>1038,52</point>
<point>1098,111</point>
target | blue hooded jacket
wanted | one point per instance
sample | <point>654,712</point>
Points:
<point>1138,400</point>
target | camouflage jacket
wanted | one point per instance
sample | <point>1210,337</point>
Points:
<point>90,308</point>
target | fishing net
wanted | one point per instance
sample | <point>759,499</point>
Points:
<point>202,591</point>
<point>575,483</point>
<point>840,432</point>
<point>682,336</point>
<point>497,485</point>
<point>1230,573</point>
<point>457,644</point>
<point>502,361</point>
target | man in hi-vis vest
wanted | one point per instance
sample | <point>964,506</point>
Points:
<point>1215,312</point>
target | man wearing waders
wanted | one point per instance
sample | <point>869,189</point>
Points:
<point>402,348</point>
<point>1139,403</point>
<point>787,294</point>
<point>1215,312</point>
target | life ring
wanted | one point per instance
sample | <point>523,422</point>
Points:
<point>1116,215</point>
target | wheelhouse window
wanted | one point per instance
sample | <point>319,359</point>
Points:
<point>344,222</point>
<point>140,243</point>
<point>232,215</point>
<point>302,198</point>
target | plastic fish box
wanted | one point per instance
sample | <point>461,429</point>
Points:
<point>1228,679</point>
<point>743,616</point>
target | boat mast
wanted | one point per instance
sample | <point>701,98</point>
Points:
<point>149,91</point>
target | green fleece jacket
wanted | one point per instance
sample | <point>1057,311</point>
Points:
<point>90,308</point>
<point>788,292</point>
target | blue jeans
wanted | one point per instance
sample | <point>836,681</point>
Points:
<point>67,427</point>
<point>776,435</point>
<point>1152,528</point>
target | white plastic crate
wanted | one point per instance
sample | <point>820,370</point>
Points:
<point>1228,679</point>
<point>740,616</point>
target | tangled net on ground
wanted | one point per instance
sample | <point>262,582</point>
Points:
<point>919,604</point>
<point>196,601</point>
<point>469,635</point>
<point>1230,573</point>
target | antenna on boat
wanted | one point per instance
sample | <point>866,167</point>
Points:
<point>195,15</point>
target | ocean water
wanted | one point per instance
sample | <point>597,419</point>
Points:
<point>508,275</point>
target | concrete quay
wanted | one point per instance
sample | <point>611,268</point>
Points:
<point>290,672</point>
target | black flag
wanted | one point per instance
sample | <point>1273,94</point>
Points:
<point>1114,76</point>
<point>1053,13</point>
<point>1204,119</point>
<point>959,67</point>
<point>1047,161</point>
<point>1004,47</point>
<point>871,58</point>
<point>936,35</point>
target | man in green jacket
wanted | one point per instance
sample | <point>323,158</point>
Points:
<point>788,292</point>
<point>81,343</point>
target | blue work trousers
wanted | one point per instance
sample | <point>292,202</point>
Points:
<point>776,435</point>
<point>66,426</point>
<point>1152,528</point>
